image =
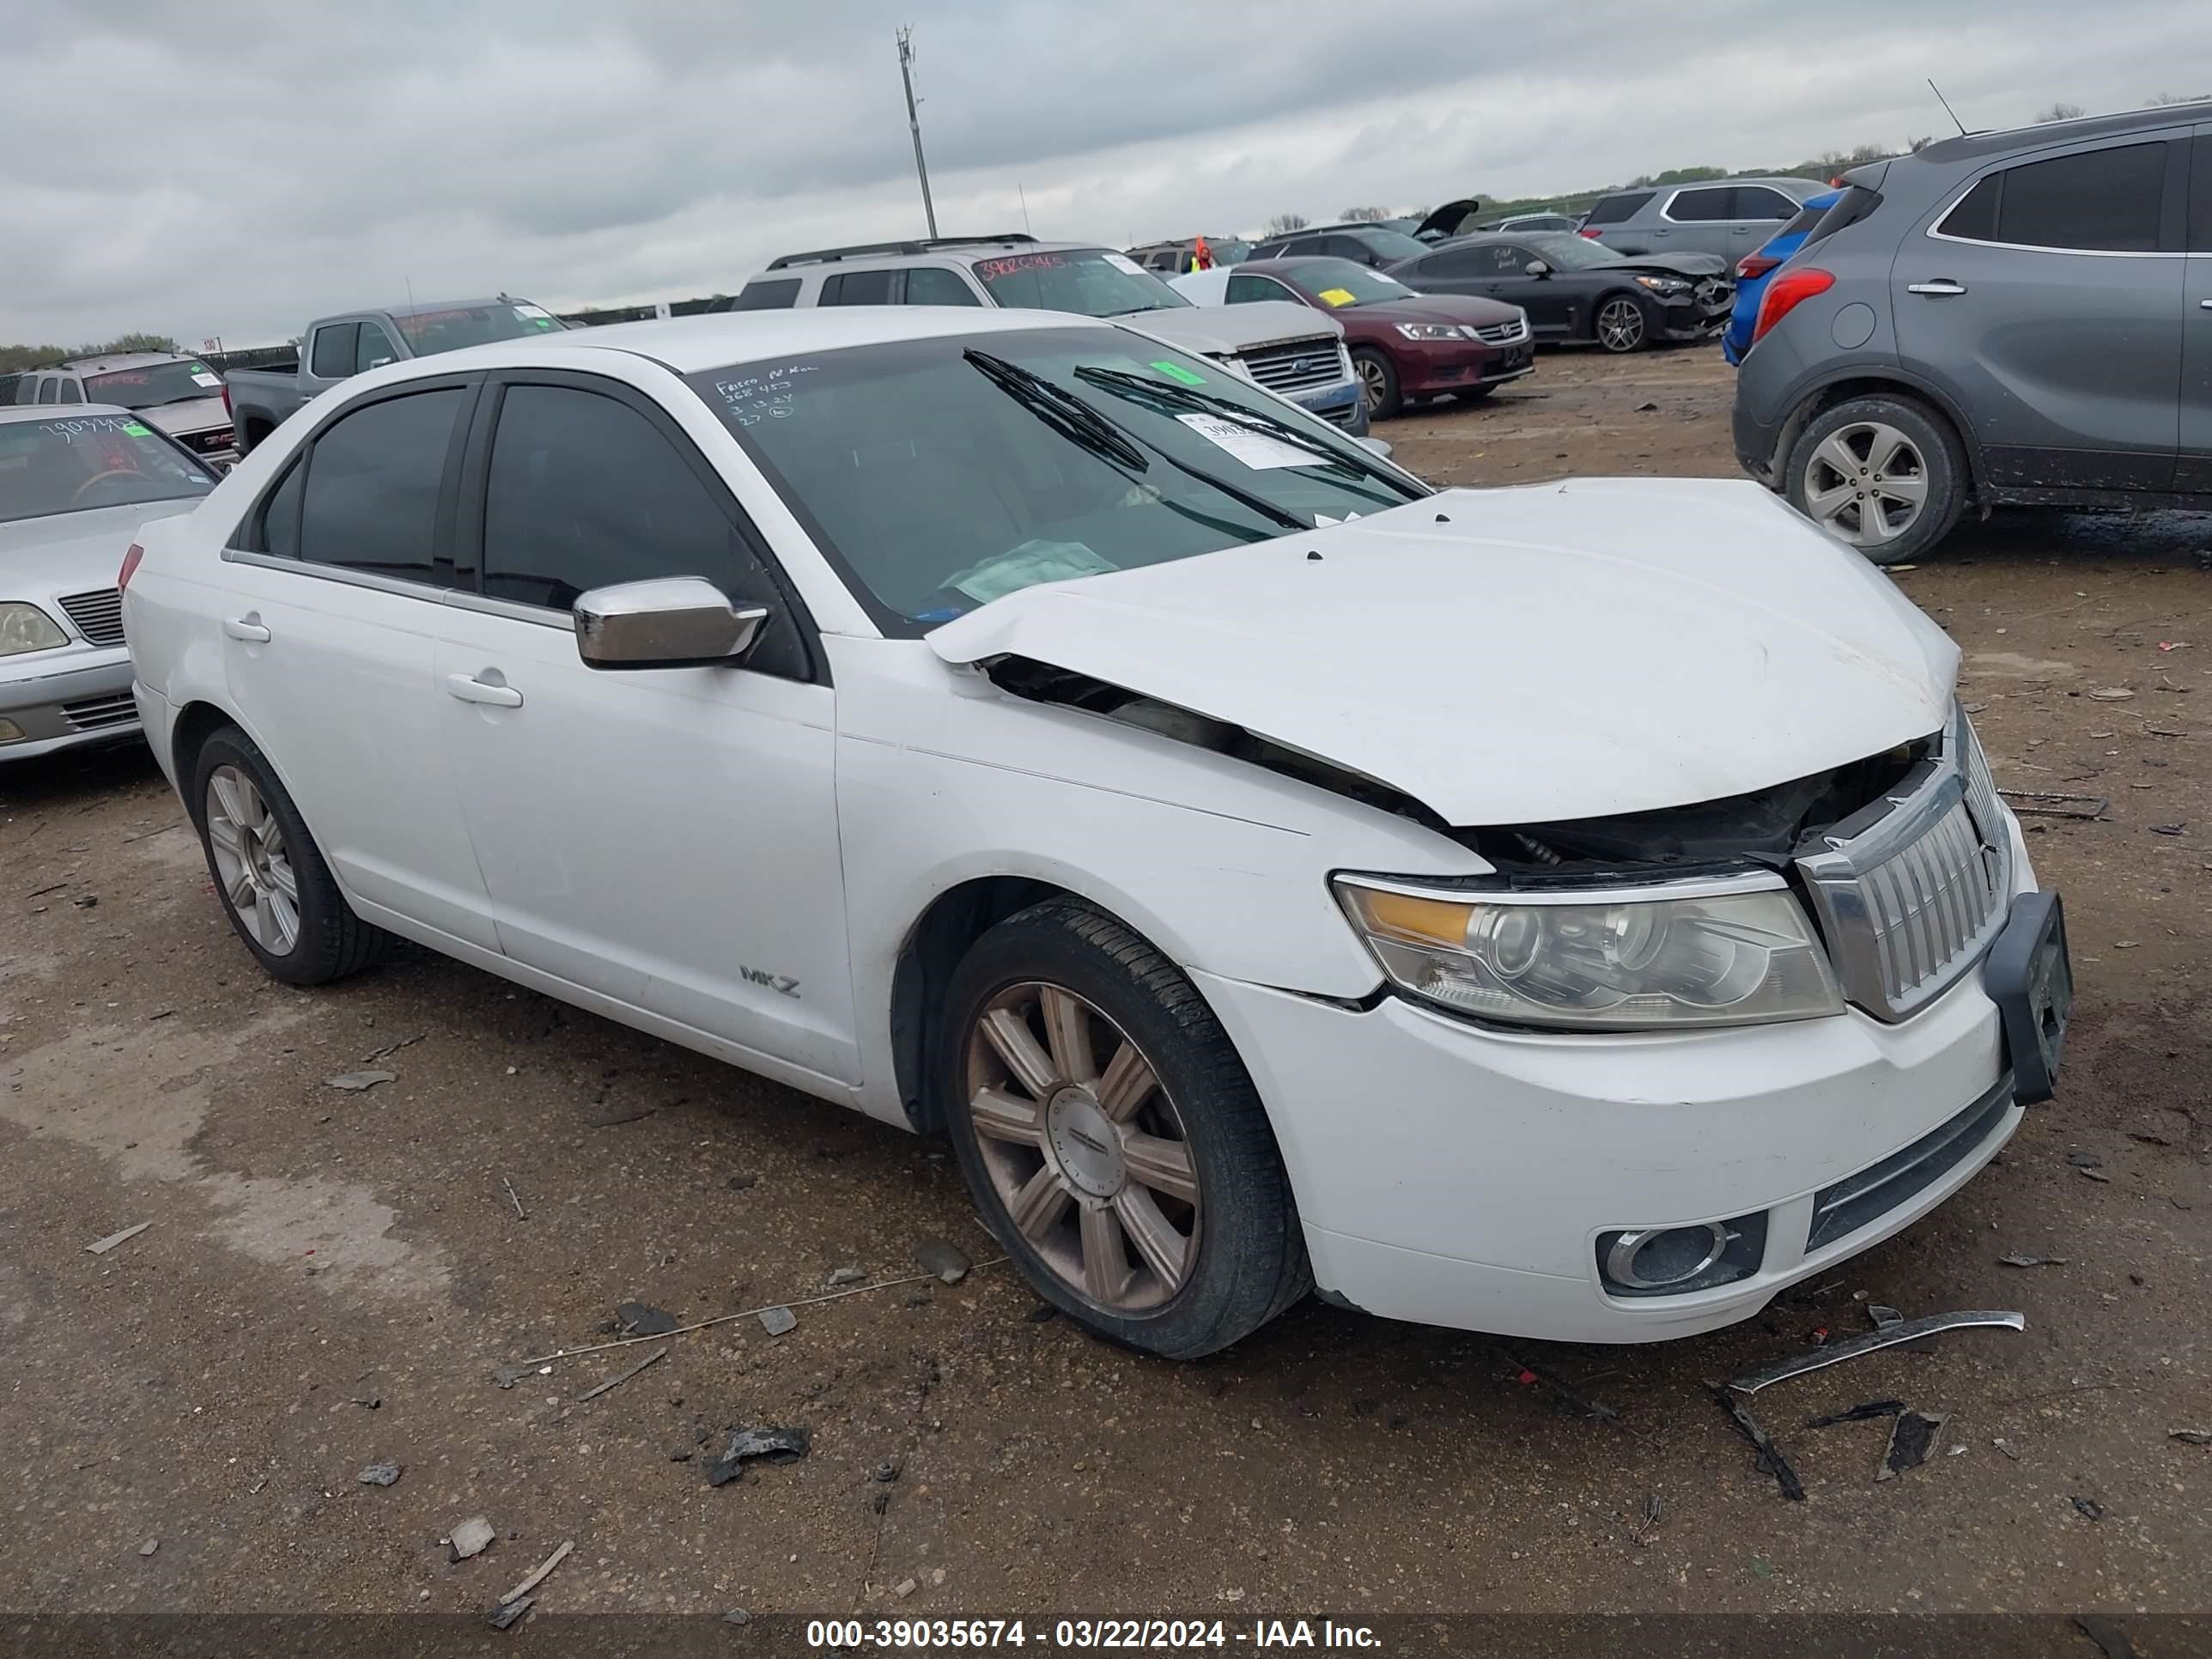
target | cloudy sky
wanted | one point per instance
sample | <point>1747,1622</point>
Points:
<point>237,167</point>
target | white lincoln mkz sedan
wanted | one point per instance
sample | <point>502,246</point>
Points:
<point>1574,911</point>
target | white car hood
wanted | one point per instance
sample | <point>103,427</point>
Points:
<point>1518,656</point>
<point>1225,331</point>
<point>42,559</point>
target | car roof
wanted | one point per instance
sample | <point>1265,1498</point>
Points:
<point>711,339</point>
<point>55,411</point>
<point>907,253</point>
<point>1974,145</point>
<point>1343,227</point>
<point>105,364</point>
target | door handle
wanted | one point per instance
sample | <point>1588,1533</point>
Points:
<point>470,689</point>
<point>247,627</point>
<point>2204,304</point>
<point>1940,285</point>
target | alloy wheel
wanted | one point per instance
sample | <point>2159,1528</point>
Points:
<point>252,861</point>
<point>1082,1146</point>
<point>1621,324</point>
<point>1866,484</point>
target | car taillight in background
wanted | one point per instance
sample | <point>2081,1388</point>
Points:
<point>226,401</point>
<point>1753,266</point>
<point>130,558</point>
<point>1785,293</point>
<point>1590,231</point>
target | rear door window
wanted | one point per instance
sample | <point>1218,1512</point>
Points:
<point>858,288</point>
<point>374,480</point>
<point>934,285</point>
<point>332,357</point>
<point>1458,262</point>
<point>776,294</point>
<point>69,392</point>
<point>1616,210</point>
<point>1703,206</point>
<point>50,389</point>
<point>1761,202</point>
<point>2107,200</point>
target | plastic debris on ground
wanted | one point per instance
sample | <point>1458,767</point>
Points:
<point>1913,1437</point>
<point>357,1081</point>
<point>1887,1336</point>
<point>472,1537</point>
<point>1860,1414</point>
<point>773,1445</point>
<point>1770,1460</point>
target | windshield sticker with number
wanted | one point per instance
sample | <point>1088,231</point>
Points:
<point>1255,449</point>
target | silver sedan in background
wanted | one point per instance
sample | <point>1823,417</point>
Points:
<point>75,486</point>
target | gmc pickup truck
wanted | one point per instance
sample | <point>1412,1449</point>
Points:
<point>339,347</point>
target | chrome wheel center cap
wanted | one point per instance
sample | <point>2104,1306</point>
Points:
<point>1085,1146</point>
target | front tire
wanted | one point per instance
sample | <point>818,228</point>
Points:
<point>280,895</point>
<point>1621,324</point>
<point>1112,1138</point>
<point>1882,475</point>
<point>1378,382</point>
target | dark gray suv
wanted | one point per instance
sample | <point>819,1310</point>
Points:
<point>2011,317</point>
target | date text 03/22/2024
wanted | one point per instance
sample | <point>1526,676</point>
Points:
<point>845,1634</point>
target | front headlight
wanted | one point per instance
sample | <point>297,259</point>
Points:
<point>26,628</point>
<point>1432,331</point>
<point>1727,953</point>
<point>1665,284</point>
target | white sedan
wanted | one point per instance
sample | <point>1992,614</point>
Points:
<point>1575,911</point>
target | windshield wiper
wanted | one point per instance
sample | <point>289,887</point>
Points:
<point>1069,414</point>
<point>1121,383</point>
<point>1059,408</point>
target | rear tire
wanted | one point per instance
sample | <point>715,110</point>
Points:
<point>280,895</point>
<point>1378,382</point>
<point>1886,477</point>
<point>1129,1140</point>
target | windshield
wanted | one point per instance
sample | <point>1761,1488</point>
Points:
<point>940,474</point>
<point>1564,252</point>
<point>1090,281</point>
<point>1340,283</point>
<point>152,384</point>
<point>453,327</point>
<point>85,461</point>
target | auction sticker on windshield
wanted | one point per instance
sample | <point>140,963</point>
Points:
<point>1256,449</point>
<point>1338,297</point>
<point>1123,262</point>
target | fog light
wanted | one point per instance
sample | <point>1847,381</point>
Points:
<point>1675,1261</point>
<point>11,733</point>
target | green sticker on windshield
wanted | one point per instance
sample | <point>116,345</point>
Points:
<point>1177,371</point>
<point>137,430</point>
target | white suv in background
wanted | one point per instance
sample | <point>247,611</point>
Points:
<point>1289,349</point>
<point>179,394</point>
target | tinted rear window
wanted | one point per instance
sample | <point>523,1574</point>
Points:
<point>2105,200</point>
<point>451,327</point>
<point>776,294</point>
<point>1612,209</point>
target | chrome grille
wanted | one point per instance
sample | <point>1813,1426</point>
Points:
<point>98,616</point>
<point>1510,333</point>
<point>1300,366</point>
<point>1910,901</point>
<point>97,714</point>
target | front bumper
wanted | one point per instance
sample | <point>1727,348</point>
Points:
<point>1428,366</point>
<point>61,699</point>
<point>1341,404</point>
<point>1459,1176</point>
<point>1683,317</point>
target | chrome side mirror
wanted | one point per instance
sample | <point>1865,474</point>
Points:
<point>673,622</point>
<point>1374,447</point>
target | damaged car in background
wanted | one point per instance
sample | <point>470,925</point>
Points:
<point>1574,911</point>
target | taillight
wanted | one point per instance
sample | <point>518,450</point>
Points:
<point>1590,231</point>
<point>1785,293</point>
<point>130,558</point>
<point>226,398</point>
<point>1753,266</point>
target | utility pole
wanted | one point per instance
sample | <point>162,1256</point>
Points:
<point>913,122</point>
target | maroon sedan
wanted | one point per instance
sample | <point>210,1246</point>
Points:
<point>1405,345</point>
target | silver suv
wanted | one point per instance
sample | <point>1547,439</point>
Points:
<point>179,394</point>
<point>1728,216</point>
<point>2010,317</point>
<point>1290,350</point>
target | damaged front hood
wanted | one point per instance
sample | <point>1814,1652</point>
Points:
<point>1508,656</point>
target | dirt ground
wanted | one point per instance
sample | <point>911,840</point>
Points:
<point>329,1279</point>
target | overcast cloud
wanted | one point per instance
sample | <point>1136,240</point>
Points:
<point>237,167</point>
